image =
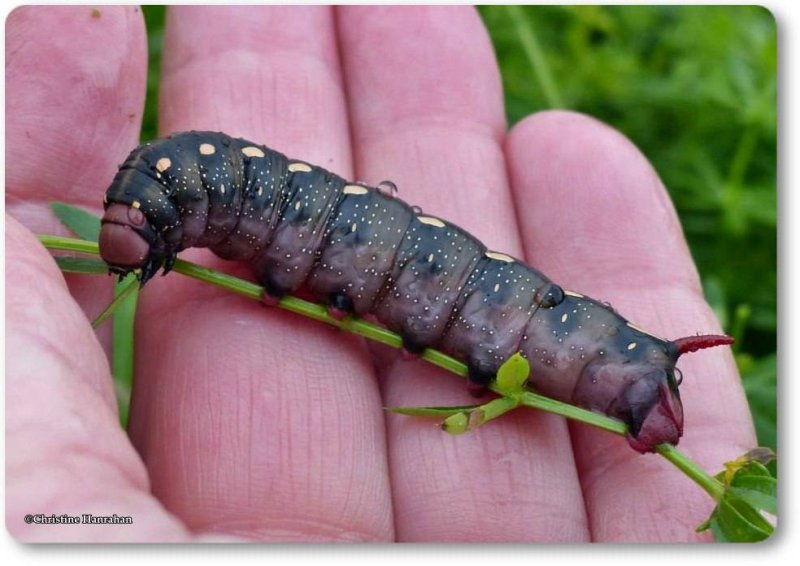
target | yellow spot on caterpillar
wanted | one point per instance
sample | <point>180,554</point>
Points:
<point>299,166</point>
<point>252,151</point>
<point>431,221</point>
<point>564,317</point>
<point>573,294</point>
<point>355,190</point>
<point>298,206</point>
<point>136,204</point>
<point>643,331</point>
<point>632,345</point>
<point>163,164</point>
<point>222,189</point>
<point>105,199</point>
<point>430,258</point>
<point>207,149</point>
<point>496,287</point>
<point>353,227</point>
<point>499,256</point>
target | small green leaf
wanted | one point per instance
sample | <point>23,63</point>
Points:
<point>456,424</point>
<point>86,265</point>
<point>754,485</point>
<point>749,489</point>
<point>432,411</point>
<point>83,224</point>
<point>762,496</point>
<point>513,374</point>
<point>735,520</point>
<point>751,463</point>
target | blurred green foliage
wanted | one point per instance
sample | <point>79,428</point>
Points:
<point>695,88</point>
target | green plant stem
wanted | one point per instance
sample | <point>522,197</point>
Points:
<point>535,55</point>
<point>122,343</point>
<point>711,485</point>
<point>126,289</point>
<point>378,334</point>
<point>68,244</point>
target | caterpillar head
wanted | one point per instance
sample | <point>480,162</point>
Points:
<point>129,243</point>
<point>582,351</point>
<point>649,401</point>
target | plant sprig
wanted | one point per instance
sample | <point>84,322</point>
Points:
<point>742,492</point>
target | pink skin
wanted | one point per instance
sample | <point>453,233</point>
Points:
<point>278,433</point>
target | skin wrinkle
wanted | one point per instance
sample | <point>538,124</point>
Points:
<point>68,450</point>
<point>249,65</point>
<point>419,127</point>
<point>243,28</point>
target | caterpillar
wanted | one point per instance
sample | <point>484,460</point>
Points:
<point>362,250</point>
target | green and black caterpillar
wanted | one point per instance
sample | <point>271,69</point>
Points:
<point>361,250</point>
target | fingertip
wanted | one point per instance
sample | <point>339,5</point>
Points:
<point>587,196</point>
<point>75,79</point>
<point>430,64</point>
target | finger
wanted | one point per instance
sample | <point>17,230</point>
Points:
<point>65,451</point>
<point>608,229</point>
<point>74,92</point>
<point>427,110</point>
<point>253,421</point>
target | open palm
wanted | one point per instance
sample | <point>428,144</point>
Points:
<point>254,423</point>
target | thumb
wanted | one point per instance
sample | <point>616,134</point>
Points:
<point>65,451</point>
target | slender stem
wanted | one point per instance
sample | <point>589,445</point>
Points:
<point>742,155</point>
<point>535,55</point>
<point>681,461</point>
<point>530,399</point>
<point>68,244</point>
<point>122,343</point>
<point>127,288</point>
<point>379,334</point>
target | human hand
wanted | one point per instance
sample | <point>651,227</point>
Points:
<point>259,424</point>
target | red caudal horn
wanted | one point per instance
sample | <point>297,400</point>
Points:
<point>694,343</point>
